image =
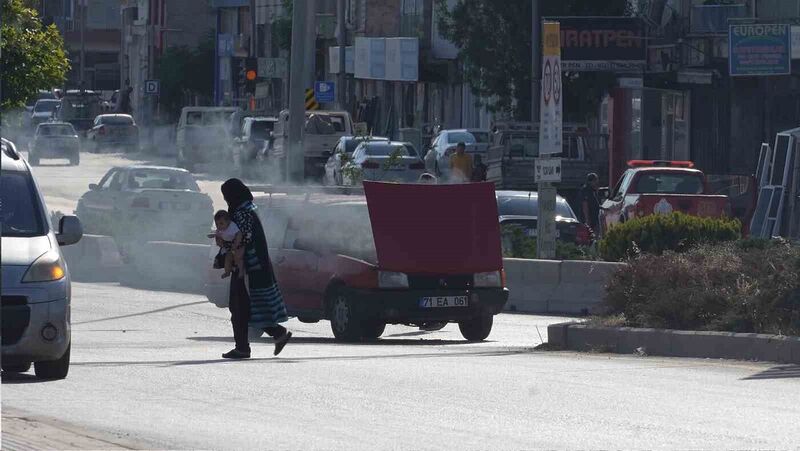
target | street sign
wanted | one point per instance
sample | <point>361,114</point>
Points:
<point>272,67</point>
<point>546,222</point>
<point>550,120</point>
<point>760,49</point>
<point>310,100</point>
<point>152,87</point>
<point>547,170</point>
<point>324,91</point>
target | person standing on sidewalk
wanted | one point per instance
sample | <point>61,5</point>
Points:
<point>255,301</point>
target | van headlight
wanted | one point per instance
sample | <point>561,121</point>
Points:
<point>47,268</point>
<point>492,279</point>
<point>389,279</point>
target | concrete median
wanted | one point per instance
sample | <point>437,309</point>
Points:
<point>548,286</point>
<point>167,265</point>
<point>95,258</point>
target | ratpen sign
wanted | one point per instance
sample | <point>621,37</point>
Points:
<point>593,44</point>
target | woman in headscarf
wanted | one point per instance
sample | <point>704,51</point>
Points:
<point>255,301</point>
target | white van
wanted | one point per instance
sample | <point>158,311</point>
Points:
<point>203,134</point>
<point>322,130</point>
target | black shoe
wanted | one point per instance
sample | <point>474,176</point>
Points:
<point>280,343</point>
<point>236,354</point>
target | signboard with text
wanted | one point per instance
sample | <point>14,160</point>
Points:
<point>760,50</point>
<point>547,170</point>
<point>613,44</point>
<point>550,105</point>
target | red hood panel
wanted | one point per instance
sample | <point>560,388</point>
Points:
<point>435,229</point>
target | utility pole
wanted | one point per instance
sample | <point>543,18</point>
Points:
<point>295,170</point>
<point>342,42</point>
<point>311,43</point>
<point>536,41</point>
<point>82,24</point>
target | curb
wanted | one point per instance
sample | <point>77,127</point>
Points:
<point>675,343</point>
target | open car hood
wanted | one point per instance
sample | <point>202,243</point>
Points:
<point>435,229</point>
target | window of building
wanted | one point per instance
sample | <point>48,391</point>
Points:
<point>778,8</point>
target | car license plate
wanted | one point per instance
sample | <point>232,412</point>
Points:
<point>533,233</point>
<point>443,301</point>
<point>177,206</point>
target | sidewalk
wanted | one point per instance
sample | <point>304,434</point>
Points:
<point>23,432</point>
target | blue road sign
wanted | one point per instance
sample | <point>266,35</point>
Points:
<point>325,91</point>
<point>760,49</point>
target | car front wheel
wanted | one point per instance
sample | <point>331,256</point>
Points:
<point>53,369</point>
<point>476,329</point>
<point>17,368</point>
<point>344,320</point>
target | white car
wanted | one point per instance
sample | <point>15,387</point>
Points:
<point>341,154</point>
<point>36,288</point>
<point>147,203</point>
<point>55,140</point>
<point>385,161</point>
<point>43,111</point>
<point>443,146</point>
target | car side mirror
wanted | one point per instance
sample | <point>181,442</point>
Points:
<point>70,230</point>
<point>604,193</point>
<point>327,153</point>
<point>93,187</point>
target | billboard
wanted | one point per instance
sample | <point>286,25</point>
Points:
<point>393,59</point>
<point>591,44</point>
<point>760,50</point>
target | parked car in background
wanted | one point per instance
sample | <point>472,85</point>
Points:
<point>341,155</point>
<point>255,140</point>
<point>521,208</point>
<point>203,134</point>
<point>55,140</point>
<point>384,161</point>
<point>113,131</point>
<point>443,146</point>
<point>80,108</point>
<point>652,187</point>
<point>147,203</point>
<point>43,111</point>
<point>36,289</point>
<point>322,130</point>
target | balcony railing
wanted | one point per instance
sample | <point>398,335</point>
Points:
<point>713,19</point>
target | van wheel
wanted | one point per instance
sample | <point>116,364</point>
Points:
<point>54,369</point>
<point>373,330</point>
<point>476,329</point>
<point>18,368</point>
<point>345,323</point>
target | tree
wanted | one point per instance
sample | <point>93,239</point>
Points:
<point>494,41</point>
<point>175,64</point>
<point>33,56</point>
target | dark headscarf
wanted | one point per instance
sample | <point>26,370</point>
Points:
<point>235,193</point>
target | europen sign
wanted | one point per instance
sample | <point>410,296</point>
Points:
<point>760,50</point>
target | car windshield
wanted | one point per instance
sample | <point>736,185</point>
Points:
<point>460,137</point>
<point>261,129</point>
<point>324,124</point>
<point>522,145</point>
<point>116,120</point>
<point>529,206</point>
<point>669,184</point>
<point>387,150</point>
<point>161,179</point>
<point>20,213</point>
<point>45,106</point>
<point>56,130</point>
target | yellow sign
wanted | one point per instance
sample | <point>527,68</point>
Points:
<point>311,101</point>
<point>551,39</point>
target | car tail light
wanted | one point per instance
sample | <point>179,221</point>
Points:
<point>493,279</point>
<point>583,235</point>
<point>370,165</point>
<point>141,202</point>
<point>419,165</point>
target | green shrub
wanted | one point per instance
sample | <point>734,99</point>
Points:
<point>516,244</point>
<point>655,234</point>
<point>739,287</point>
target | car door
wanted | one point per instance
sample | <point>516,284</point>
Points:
<point>611,209</point>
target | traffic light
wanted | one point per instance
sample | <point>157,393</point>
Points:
<point>250,75</point>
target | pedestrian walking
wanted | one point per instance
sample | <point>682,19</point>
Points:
<point>461,164</point>
<point>589,200</point>
<point>479,171</point>
<point>255,301</point>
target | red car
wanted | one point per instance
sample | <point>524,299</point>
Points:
<point>403,254</point>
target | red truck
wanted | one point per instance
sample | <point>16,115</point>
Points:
<point>660,187</point>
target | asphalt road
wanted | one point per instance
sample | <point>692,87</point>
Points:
<point>146,372</point>
<point>146,367</point>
